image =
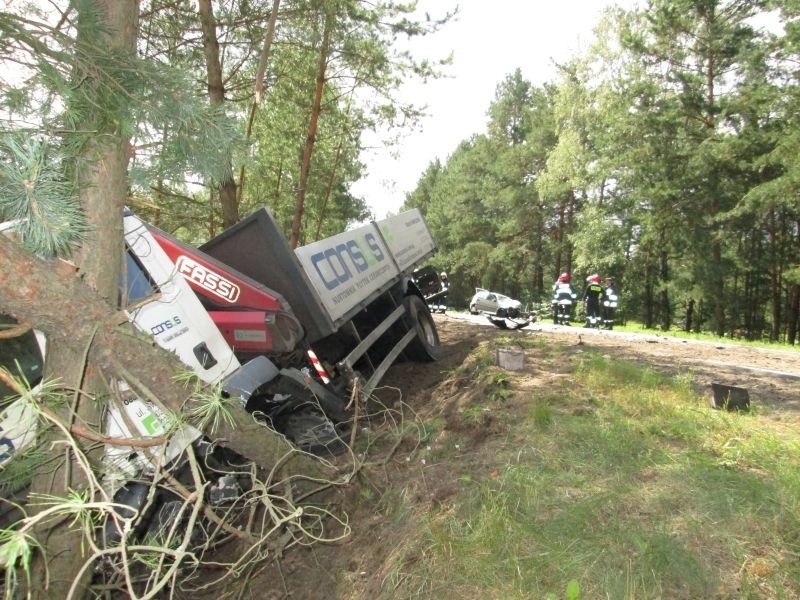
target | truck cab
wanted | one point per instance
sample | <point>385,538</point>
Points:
<point>341,309</point>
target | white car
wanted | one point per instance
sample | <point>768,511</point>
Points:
<point>494,304</point>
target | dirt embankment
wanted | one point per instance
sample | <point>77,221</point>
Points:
<point>358,568</point>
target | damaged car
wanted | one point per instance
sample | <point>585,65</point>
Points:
<point>502,311</point>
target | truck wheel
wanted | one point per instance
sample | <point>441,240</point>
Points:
<point>425,347</point>
<point>312,431</point>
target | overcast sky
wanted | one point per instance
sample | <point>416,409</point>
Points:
<point>489,40</point>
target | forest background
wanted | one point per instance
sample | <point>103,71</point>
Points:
<point>666,155</point>
<point>662,156</point>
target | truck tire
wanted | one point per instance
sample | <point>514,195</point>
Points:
<point>425,347</point>
<point>310,430</point>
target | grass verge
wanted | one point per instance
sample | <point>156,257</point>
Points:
<point>615,482</point>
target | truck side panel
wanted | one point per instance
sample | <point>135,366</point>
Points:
<point>409,240</point>
<point>349,270</point>
<point>328,282</point>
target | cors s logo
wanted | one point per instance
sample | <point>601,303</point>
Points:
<point>207,279</point>
<point>340,263</point>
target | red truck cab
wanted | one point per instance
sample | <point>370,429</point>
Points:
<point>252,318</point>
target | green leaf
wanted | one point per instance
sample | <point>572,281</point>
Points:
<point>573,590</point>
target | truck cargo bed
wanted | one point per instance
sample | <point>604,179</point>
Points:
<point>257,247</point>
<point>329,281</point>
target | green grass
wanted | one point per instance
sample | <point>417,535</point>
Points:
<point>629,484</point>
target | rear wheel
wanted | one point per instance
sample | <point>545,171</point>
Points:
<point>295,411</point>
<point>310,430</point>
<point>425,347</point>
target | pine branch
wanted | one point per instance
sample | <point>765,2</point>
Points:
<point>35,193</point>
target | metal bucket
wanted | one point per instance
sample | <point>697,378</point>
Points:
<point>511,359</point>
<point>729,397</point>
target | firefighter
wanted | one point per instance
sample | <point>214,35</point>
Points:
<point>592,296</point>
<point>563,297</point>
<point>610,300</point>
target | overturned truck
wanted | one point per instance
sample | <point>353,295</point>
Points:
<point>293,335</point>
<point>332,316</point>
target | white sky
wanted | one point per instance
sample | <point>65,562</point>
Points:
<point>489,40</point>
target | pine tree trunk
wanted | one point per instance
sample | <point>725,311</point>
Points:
<point>649,288</point>
<point>774,277</point>
<point>559,238</point>
<point>101,170</point>
<point>793,317</point>
<point>664,301</point>
<point>258,88</point>
<point>216,92</point>
<point>311,135</point>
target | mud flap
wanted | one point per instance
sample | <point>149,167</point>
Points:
<point>243,382</point>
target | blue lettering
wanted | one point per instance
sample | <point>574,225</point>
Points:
<point>373,245</point>
<point>334,266</point>
<point>357,257</point>
<point>337,267</point>
<point>315,260</point>
<point>337,252</point>
<point>6,448</point>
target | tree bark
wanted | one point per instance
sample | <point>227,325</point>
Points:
<point>101,172</point>
<point>328,192</point>
<point>793,317</point>
<point>216,92</point>
<point>774,277</point>
<point>264,57</point>
<point>258,88</point>
<point>689,315</point>
<point>311,136</point>
<point>664,301</point>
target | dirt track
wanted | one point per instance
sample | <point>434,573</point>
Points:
<point>772,376</point>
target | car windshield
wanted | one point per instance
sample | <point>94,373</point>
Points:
<point>502,298</point>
